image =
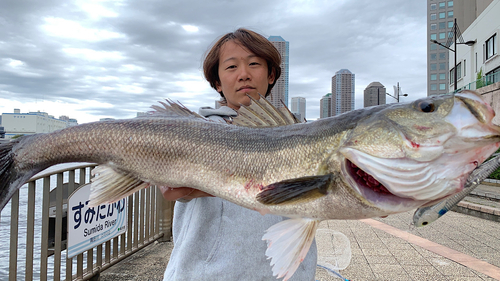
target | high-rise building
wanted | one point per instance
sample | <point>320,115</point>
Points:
<point>280,90</point>
<point>342,92</point>
<point>325,106</point>
<point>440,21</point>
<point>374,94</point>
<point>299,107</point>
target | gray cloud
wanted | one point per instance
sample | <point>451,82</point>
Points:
<point>131,54</point>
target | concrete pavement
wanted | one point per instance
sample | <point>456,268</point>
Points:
<point>455,247</point>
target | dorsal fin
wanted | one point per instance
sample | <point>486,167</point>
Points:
<point>172,109</point>
<point>261,113</point>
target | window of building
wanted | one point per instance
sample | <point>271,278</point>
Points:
<point>433,36</point>
<point>433,6</point>
<point>452,75</point>
<point>442,35</point>
<point>450,14</point>
<point>459,70</point>
<point>450,24</point>
<point>442,76</point>
<point>442,86</point>
<point>433,77</point>
<point>433,87</point>
<point>433,46</point>
<point>450,3</point>
<point>442,56</point>
<point>433,66</point>
<point>465,67</point>
<point>433,56</point>
<point>442,25</point>
<point>433,26</point>
<point>476,61</point>
<point>442,66</point>
<point>433,16</point>
<point>442,15</point>
<point>491,49</point>
<point>442,5</point>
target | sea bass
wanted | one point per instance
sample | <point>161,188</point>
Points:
<point>366,163</point>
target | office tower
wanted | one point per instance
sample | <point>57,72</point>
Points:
<point>342,92</point>
<point>440,21</point>
<point>280,90</point>
<point>325,106</point>
<point>299,107</point>
<point>374,94</point>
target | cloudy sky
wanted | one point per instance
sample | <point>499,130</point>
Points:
<point>95,59</point>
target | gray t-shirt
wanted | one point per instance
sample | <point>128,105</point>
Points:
<point>215,239</point>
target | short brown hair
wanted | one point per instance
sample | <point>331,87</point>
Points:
<point>255,43</point>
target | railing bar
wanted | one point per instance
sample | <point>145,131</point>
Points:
<point>115,247</point>
<point>79,266</point>
<point>45,229</point>
<point>122,244</point>
<point>142,216</point>
<point>159,210</point>
<point>58,229</point>
<point>14,224</point>
<point>107,251</point>
<point>136,219</point>
<point>30,230</point>
<point>69,269</point>
<point>129,222</point>
<point>90,260</point>
<point>71,188</point>
<point>99,256</point>
<point>153,212</point>
<point>147,214</point>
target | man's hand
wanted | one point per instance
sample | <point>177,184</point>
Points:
<point>182,193</point>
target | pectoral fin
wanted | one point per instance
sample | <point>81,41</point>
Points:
<point>288,244</point>
<point>294,189</point>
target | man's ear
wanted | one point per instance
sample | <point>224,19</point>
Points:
<point>218,87</point>
<point>271,78</point>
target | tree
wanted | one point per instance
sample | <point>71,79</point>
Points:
<point>479,79</point>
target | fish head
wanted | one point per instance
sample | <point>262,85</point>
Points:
<point>408,155</point>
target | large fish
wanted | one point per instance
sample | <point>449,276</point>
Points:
<point>366,163</point>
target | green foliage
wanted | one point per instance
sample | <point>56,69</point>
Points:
<point>479,79</point>
<point>16,136</point>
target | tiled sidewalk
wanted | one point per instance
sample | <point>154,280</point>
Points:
<point>376,254</point>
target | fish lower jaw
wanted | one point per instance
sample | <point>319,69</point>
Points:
<point>374,193</point>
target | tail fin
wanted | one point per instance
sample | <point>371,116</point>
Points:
<point>10,178</point>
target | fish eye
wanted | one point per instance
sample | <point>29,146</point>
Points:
<point>424,223</point>
<point>426,106</point>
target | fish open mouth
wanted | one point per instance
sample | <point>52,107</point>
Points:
<point>375,192</point>
<point>365,180</point>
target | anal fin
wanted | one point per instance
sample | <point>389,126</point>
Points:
<point>288,244</point>
<point>109,186</point>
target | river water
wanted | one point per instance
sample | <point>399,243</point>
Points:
<point>21,254</point>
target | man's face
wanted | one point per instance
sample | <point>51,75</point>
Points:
<point>241,72</point>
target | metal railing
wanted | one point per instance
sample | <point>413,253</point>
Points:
<point>37,231</point>
<point>483,82</point>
